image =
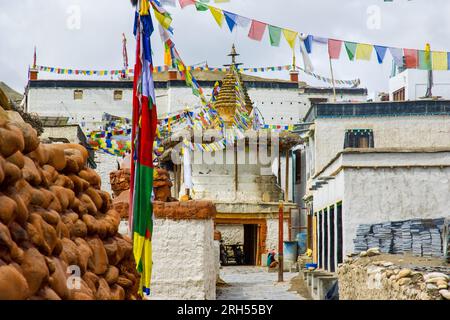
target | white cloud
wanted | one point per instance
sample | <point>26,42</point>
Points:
<point>97,44</point>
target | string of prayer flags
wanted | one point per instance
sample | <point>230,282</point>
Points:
<point>354,50</point>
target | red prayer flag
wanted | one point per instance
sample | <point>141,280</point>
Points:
<point>334,48</point>
<point>184,3</point>
<point>411,58</point>
<point>257,30</point>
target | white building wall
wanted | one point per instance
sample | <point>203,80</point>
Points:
<point>415,83</point>
<point>373,196</point>
<point>389,132</point>
<point>412,188</point>
<point>184,260</point>
<point>272,234</point>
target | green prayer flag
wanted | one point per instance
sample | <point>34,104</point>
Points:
<point>350,47</point>
<point>275,35</point>
<point>201,6</point>
<point>424,60</point>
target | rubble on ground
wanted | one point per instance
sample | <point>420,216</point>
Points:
<point>55,219</point>
<point>373,278</point>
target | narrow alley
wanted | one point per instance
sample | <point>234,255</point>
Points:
<point>255,283</point>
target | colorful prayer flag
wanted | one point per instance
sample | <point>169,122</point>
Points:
<point>439,60</point>
<point>257,30</point>
<point>334,48</point>
<point>424,60</point>
<point>274,35</point>
<point>397,55</point>
<point>350,47</point>
<point>185,3</point>
<point>230,18</point>
<point>217,14</point>
<point>290,36</point>
<point>381,53</point>
<point>364,51</point>
<point>411,58</point>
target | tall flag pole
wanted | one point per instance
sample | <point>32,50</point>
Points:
<point>125,56</point>
<point>143,136</point>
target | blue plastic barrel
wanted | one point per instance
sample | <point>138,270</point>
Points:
<point>290,251</point>
<point>302,239</point>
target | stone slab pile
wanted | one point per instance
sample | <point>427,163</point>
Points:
<point>421,237</point>
<point>58,230</point>
<point>120,181</point>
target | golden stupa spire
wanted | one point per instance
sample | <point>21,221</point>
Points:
<point>228,97</point>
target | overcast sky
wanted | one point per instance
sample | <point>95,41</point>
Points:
<point>97,44</point>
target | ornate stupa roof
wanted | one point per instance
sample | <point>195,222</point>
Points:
<point>229,97</point>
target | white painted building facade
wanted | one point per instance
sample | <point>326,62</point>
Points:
<point>404,173</point>
<point>414,83</point>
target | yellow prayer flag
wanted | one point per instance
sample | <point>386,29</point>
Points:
<point>440,61</point>
<point>221,1</point>
<point>363,51</point>
<point>290,36</point>
<point>163,20</point>
<point>145,8</point>
<point>218,15</point>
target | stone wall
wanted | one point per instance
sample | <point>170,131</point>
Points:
<point>380,279</point>
<point>184,255</point>
<point>231,234</point>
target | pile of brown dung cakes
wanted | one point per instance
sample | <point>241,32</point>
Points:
<point>58,231</point>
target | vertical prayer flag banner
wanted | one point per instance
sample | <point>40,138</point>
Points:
<point>364,51</point>
<point>334,48</point>
<point>439,60</point>
<point>411,58</point>
<point>290,36</point>
<point>350,47</point>
<point>257,30</point>
<point>381,53</point>
<point>274,35</point>
<point>143,136</point>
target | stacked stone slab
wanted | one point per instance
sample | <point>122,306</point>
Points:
<point>58,231</point>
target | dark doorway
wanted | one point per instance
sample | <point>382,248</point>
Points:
<point>340,242</point>
<point>319,240</point>
<point>325,240</point>
<point>332,242</point>
<point>250,243</point>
